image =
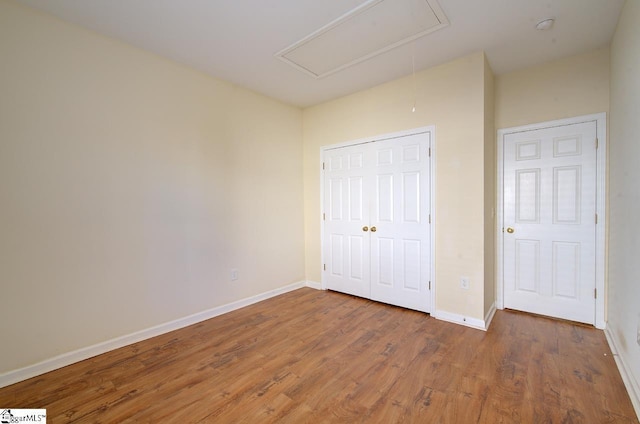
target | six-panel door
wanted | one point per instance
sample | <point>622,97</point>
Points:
<point>382,187</point>
<point>549,221</point>
<point>347,176</point>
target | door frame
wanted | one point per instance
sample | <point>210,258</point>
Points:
<point>432,188</point>
<point>601,210</point>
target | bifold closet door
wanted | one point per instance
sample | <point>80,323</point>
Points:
<point>346,241</point>
<point>376,220</point>
<point>400,246</point>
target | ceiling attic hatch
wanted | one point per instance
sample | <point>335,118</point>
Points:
<point>374,27</point>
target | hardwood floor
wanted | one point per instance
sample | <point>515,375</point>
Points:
<point>311,356</point>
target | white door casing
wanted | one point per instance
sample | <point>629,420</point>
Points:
<point>551,191</point>
<point>381,185</point>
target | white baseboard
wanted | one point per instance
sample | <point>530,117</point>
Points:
<point>69,358</point>
<point>460,319</point>
<point>633,388</point>
<point>314,285</point>
<point>489,317</point>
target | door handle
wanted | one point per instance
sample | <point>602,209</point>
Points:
<point>510,230</point>
<point>365,228</point>
<point>373,229</point>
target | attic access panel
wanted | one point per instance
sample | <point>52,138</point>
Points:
<point>370,29</point>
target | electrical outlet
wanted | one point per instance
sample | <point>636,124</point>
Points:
<point>464,283</point>
<point>234,274</point>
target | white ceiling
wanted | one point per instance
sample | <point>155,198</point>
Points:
<point>236,40</point>
<point>373,28</point>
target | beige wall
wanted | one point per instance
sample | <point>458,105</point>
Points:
<point>130,186</point>
<point>451,97</point>
<point>489,189</point>
<point>568,87</point>
<point>624,231</point>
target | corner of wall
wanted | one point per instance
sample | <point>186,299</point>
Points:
<point>623,294</point>
<point>490,187</point>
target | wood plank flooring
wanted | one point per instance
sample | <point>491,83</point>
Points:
<point>313,357</point>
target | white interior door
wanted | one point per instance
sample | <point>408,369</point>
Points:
<point>549,236</point>
<point>400,215</point>
<point>347,246</point>
<point>376,220</point>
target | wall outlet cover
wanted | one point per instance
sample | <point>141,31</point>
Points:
<point>464,283</point>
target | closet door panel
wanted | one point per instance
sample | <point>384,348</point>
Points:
<point>346,245</point>
<point>377,233</point>
<point>405,230</point>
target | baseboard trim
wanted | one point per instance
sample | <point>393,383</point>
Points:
<point>633,388</point>
<point>314,285</point>
<point>476,323</point>
<point>69,358</point>
<point>489,317</point>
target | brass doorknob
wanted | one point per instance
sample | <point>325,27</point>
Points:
<point>365,228</point>
<point>373,229</point>
<point>510,230</point>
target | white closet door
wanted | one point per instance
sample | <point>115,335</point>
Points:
<point>549,219</point>
<point>400,216</point>
<point>346,213</point>
<point>376,224</point>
